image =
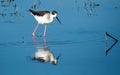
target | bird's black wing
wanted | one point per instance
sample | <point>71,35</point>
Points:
<point>38,13</point>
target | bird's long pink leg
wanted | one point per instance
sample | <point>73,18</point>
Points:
<point>35,42</point>
<point>45,30</point>
<point>33,34</point>
<point>45,41</point>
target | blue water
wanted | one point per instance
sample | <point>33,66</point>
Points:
<point>80,39</point>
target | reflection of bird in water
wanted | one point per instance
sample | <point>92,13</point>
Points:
<point>43,17</point>
<point>44,54</point>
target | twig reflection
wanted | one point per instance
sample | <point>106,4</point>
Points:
<point>36,4</point>
<point>89,5</point>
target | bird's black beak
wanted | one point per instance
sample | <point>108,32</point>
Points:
<point>58,20</point>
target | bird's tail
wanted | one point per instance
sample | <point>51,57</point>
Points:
<point>31,10</point>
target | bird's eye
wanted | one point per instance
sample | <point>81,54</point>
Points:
<point>53,13</point>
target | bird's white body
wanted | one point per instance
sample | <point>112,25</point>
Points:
<point>47,18</point>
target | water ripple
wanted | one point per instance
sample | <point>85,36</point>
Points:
<point>50,43</point>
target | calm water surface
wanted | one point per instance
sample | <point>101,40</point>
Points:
<point>80,39</point>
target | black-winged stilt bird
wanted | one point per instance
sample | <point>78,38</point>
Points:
<point>43,17</point>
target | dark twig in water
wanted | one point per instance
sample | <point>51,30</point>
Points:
<point>39,2</point>
<point>3,14</point>
<point>108,49</point>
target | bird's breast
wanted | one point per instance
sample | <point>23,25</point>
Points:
<point>43,19</point>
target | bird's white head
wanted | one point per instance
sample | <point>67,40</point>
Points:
<point>54,62</point>
<point>54,13</point>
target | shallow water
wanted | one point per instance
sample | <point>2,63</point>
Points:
<point>80,39</point>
